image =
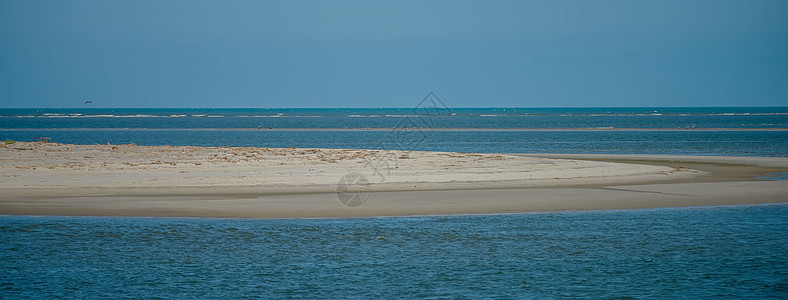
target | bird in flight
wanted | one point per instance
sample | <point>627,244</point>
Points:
<point>88,102</point>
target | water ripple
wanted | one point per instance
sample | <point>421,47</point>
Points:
<point>728,252</point>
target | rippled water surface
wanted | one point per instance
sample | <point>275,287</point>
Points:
<point>239,127</point>
<point>728,252</point>
<point>439,117</point>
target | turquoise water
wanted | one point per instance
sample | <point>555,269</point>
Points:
<point>722,252</point>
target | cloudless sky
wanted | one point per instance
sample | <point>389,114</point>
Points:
<point>392,53</point>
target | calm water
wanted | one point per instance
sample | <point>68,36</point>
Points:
<point>746,143</point>
<point>198,127</point>
<point>650,117</point>
<point>724,252</point>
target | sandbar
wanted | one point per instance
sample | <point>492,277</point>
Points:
<point>252,182</point>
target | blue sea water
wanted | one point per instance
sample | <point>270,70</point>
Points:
<point>722,252</point>
<point>205,118</point>
<point>238,127</point>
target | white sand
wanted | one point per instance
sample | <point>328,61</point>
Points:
<point>43,165</point>
<point>129,180</point>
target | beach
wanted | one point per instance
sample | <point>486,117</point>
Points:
<point>252,182</point>
<point>393,150</point>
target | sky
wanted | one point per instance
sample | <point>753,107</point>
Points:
<point>393,53</point>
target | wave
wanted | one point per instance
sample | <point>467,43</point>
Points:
<point>630,114</point>
<point>277,116</point>
<point>152,116</point>
<point>402,116</point>
<point>750,114</point>
<point>94,116</point>
<point>619,115</point>
<point>179,114</point>
<point>378,116</point>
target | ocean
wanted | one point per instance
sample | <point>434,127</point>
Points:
<point>720,252</point>
<point>729,252</point>
<point>509,130</point>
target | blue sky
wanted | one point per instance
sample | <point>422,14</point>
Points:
<point>392,53</point>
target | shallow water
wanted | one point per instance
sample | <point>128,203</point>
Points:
<point>726,252</point>
<point>742,143</point>
<point>776,176</point>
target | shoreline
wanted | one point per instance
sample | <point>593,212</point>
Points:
<point>114,180</point>
<point>420,215</point>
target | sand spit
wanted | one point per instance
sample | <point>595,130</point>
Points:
<point>188,181</point>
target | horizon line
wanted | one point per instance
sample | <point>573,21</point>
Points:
<point>450,107</point>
